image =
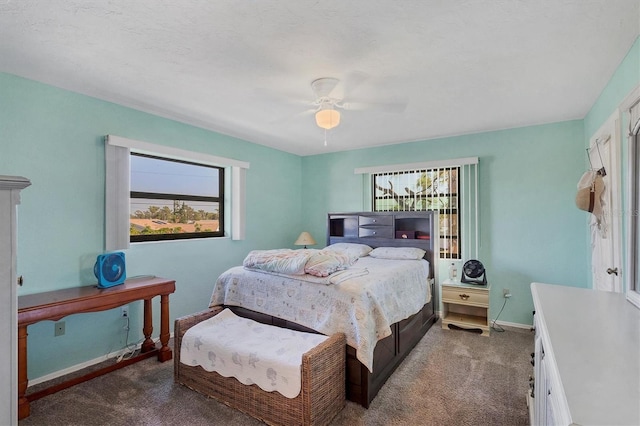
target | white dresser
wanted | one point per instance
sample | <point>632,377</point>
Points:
<point>587,357</point>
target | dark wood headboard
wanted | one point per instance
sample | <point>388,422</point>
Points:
<point>386,229</point>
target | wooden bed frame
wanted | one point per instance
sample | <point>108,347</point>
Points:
<point>378,229</point>
<point>361,385</point>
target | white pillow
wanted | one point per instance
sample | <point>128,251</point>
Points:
<point>398,253</point>
<point>350,249</point>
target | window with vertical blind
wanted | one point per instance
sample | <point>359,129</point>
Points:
<point>448,187</point>
<point>421,190</point>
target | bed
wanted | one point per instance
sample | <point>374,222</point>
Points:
<point>384,306</point>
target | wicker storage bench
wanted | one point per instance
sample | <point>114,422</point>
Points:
<point>322,393</point>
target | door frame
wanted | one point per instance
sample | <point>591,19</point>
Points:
<point>633,295</point>
<point>611,127</point>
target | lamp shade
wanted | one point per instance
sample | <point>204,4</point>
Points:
<point>327,118</point>
<point>305,239</point>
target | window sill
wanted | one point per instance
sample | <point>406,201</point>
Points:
<point>135,243</point>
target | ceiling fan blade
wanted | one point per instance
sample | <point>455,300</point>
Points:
<point>323,87</point>
<point>290,99</point>
<point>395,107</point>
<point>353,81</point>
<point>344,88</point>
<point>292,117</point>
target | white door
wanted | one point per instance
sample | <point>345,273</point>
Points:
<point>606,263</point>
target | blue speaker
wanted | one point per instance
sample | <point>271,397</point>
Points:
<point>110,270</point>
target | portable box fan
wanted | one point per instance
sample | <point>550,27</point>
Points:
<point>473,272</point>
<point>110,269</point>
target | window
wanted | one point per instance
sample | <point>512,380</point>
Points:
<point>173,199</point>
<point>447,186</point>
<point>633,286</point>
<point>190,187</point>
<point>419,190</point>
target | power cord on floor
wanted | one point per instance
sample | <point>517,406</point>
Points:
<point>129,349</point>
<point>494,326</point>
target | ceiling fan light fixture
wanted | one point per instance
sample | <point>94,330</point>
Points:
<point>327,118</point>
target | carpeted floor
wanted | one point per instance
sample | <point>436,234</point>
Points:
<point>452,377</point>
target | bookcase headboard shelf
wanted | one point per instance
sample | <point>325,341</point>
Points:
<point>386,229</point>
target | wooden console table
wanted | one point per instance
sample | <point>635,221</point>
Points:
<point>54,305</point>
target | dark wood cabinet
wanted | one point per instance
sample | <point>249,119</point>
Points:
<point>345,226</point>
<point>385,229</point>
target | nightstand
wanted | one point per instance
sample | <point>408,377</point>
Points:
<point>465,306</point>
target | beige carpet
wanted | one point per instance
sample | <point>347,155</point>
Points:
<point>452,377</point>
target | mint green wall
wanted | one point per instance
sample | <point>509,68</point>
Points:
<point>530,227</point>
<point>55,138</point>
<point>625,79</point>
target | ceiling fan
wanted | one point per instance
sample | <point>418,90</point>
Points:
<point>329,101</point>
<point>327,116</point>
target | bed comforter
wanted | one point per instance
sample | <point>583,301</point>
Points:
<point>361,301</point>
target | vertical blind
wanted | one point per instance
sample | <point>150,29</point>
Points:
<point>448,187</point>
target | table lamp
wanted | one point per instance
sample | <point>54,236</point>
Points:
<point>305,239</point>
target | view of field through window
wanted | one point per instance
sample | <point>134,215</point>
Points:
<point>171,197</point>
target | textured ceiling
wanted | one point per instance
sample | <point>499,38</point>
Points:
<point>244,68</point>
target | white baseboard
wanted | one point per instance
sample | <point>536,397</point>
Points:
<point>119,352</point>
<point>504,323</point>
<point>513,324</point>
<point>85,364</point>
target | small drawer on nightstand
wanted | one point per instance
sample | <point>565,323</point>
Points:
<point>465,295</point>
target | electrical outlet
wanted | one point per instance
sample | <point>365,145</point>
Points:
<point>58,329</point>
<point>124,311</point>
<point>506,293</point>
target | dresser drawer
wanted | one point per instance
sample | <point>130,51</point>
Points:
<point>375,232</point>
<point>375,221</point>
<point>465,296</point>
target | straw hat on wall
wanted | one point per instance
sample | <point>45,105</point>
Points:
<point>590,190</point>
